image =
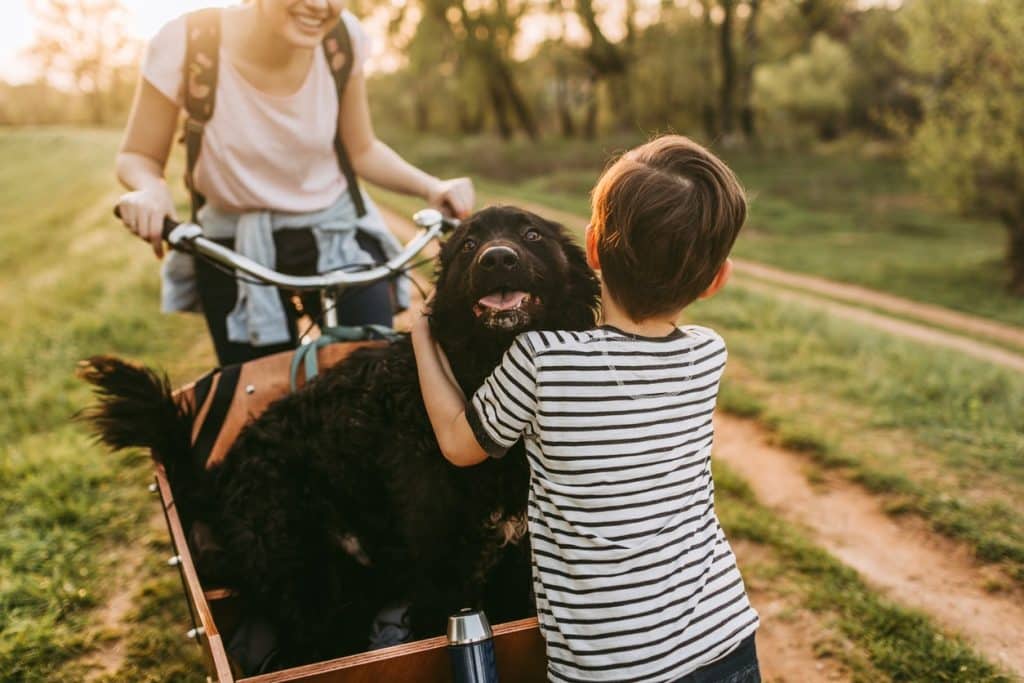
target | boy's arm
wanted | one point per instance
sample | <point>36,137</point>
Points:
<point>445,403</point>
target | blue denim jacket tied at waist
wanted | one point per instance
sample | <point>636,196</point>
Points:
<point>258,317</point>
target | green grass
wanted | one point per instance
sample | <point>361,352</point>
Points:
<point>940,433</point>
<point>836,213</point>
<point>74,284</point>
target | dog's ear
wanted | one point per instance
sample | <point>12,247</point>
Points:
<point>447,310</point>
<point>583,298</point>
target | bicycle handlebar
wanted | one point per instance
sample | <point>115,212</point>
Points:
<point>189,237</point>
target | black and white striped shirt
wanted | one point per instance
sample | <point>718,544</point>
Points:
<point>633,576</point>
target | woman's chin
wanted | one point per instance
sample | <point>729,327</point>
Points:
<point>301,38</point>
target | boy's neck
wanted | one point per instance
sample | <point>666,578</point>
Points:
<point>612,314</point>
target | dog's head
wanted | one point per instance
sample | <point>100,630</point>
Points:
<point>505,271</point>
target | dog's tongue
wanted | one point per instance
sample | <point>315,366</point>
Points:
<point>503,300</point>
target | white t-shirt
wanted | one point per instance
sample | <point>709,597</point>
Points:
<point>262,151</point>
<point>634,578</point>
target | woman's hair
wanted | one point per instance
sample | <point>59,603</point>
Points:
<point>665,216</point>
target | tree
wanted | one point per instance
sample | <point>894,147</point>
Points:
<point>751,43</point>
<point>728,56</point>
<point>484,31</point>
<point>969,147</point>
<point>811,88</point>
<point>82,44</point>
<point>706,68</point>
<point>610,61</point>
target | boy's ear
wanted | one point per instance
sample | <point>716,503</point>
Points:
<point>720,279</point>
<point>591,239</point>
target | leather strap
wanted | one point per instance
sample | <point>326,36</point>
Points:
<point>223,396</point>
<point>202,389</point>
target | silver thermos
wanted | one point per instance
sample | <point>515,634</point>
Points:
<point>471,648</point>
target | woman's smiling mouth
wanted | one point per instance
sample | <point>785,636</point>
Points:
<point>309,22</point>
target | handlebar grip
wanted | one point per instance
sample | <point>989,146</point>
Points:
<point>169,223</point>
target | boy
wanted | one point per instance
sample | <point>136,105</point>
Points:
<point>633,576</point>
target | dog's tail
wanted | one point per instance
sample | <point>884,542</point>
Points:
<point>136,408</point>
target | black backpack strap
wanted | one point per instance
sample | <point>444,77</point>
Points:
<point>202,52</point>
<point>338,50</point>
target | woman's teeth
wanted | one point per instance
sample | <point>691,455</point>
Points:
<point>307,21</point>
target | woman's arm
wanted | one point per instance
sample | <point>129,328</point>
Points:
<point>445,403</point>
<point>381,165</point>
<point>141,161</point>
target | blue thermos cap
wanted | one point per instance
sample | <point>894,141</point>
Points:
<point>471,648</point>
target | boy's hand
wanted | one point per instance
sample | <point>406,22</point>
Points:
<point>421,334</point>
<point>442,397</point>
<point>421,319</point>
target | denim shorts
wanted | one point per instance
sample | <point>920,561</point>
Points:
<point>739,666</point>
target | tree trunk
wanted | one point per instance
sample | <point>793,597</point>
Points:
<point>751,44</point>
<point>562,101</point>
<point>621,91</point>
<point>590,121</point>
<point>609,61</point>
<point>96,103</point>
<point>515,98</point>
<point>502,85</point>
<point>707,71</point>
<point>728,57</point>
<point>1014,222</point>
<point>500,111</point>
<point>421,110</point>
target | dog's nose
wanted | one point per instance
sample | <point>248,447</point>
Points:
<point>499,258</point>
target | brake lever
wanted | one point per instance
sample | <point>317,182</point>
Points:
<point>428,218</point>
<point>170,226</point>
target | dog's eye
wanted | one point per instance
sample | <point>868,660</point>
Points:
<point>469,244</point>
<point>531,235</point>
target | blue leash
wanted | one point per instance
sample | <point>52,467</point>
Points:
<point>306,355</point>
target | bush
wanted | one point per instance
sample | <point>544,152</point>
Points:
<point>809,90</point>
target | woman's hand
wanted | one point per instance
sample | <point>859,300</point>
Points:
<point>455,196</point>
<point>143,212</point>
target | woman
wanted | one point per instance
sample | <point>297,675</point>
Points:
<point>268,170</point>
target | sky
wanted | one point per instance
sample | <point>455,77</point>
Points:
<point>16,27</point>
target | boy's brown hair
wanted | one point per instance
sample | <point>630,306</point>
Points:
<point>665,216</point>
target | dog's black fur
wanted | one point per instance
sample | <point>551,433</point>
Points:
<point>337,500</point>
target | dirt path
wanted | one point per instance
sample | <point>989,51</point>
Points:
<point>794,644</point>
<point>828,294</point>
<point>862,296</point>
<point>902,328</point>
<point>899,558</point>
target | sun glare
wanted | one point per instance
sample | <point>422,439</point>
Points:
<point>17,28</point>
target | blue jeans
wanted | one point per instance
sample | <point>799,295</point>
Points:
<point>739,666</point>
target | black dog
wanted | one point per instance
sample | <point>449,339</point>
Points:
<point>337,500</point>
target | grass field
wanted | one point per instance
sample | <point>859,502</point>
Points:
<point>940,434</point>
<point>81,559</point>
<point>76,520</point>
